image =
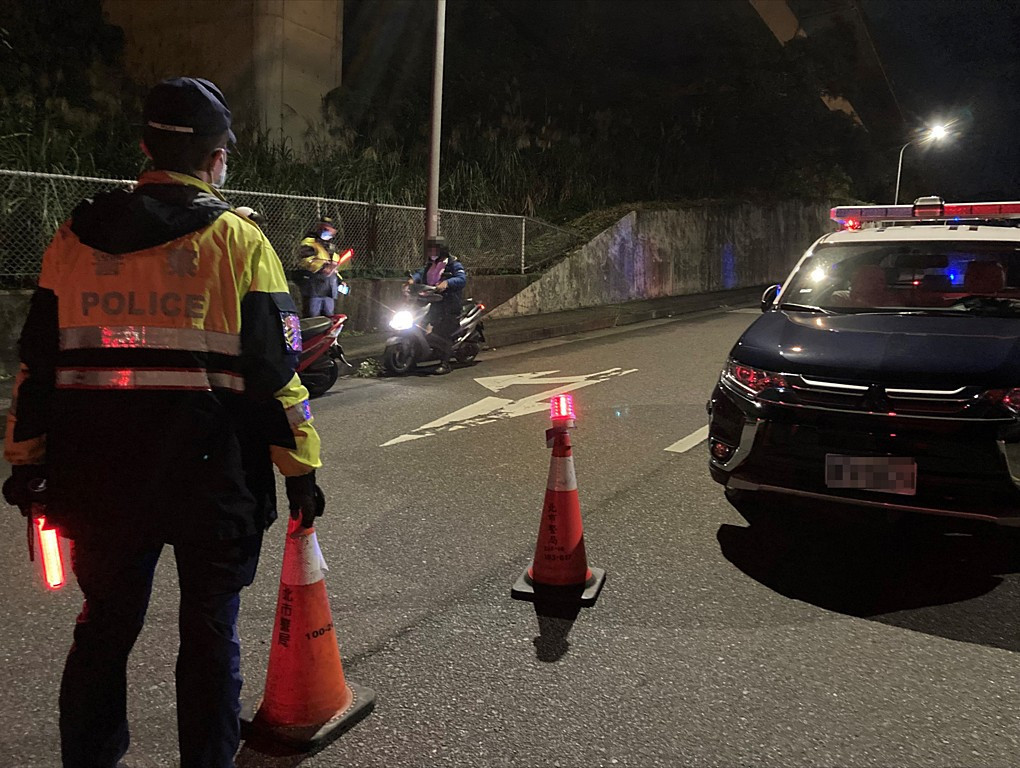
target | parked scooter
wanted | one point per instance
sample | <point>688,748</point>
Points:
<point>321,355</point>
<point>318,364</point>
<point>410,346</point>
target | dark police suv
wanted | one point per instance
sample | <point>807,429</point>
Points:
<point>885,372</point>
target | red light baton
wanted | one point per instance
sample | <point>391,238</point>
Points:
<point>48,542</point>
<point>49,547</point>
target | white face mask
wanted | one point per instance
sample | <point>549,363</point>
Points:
<point>220,178</point>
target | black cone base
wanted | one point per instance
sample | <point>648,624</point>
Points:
<point>584,594</point>
<point>309,738</point>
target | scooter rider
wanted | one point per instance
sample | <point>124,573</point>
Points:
<point>449,277</point>
<point>318,258</point>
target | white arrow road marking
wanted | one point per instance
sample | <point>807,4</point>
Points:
<point>682,446</point>
<point>490,409</point>
<point>465,417</point>
<point>496,383</point>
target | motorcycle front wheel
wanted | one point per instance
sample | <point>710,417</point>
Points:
<point>320,379</point>
<point>467,352</point>
<point>398,359</point>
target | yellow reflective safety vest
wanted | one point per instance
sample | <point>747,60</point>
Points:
<point>157,378</point>
<point>314,257</point>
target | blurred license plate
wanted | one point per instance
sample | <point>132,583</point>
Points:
<point>871,473</point>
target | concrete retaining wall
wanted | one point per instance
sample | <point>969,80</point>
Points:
<point>652,254</point>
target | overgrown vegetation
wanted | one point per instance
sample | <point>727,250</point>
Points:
<point>540,117</point>
<point>66,103</point>
<point>369,369</point>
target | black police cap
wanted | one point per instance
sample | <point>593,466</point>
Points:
<point>188,105</point>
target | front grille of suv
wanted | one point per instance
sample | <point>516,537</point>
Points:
<point>961,402</point>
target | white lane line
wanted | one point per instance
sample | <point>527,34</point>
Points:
<point>682,446</point>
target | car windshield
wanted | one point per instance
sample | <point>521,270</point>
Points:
<point>920,276</point>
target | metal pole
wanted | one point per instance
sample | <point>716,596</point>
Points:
<point>899,168</point>
<point>524,224</point>
<point>432,206</point>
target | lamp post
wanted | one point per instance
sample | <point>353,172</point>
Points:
<point>432,203</point>
<point>935,133</point>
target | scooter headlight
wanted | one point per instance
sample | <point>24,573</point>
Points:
<point>401,321</point>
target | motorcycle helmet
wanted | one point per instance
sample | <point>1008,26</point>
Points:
<point>324,230</point>
<point>436,245</point>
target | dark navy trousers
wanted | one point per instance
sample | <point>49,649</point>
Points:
<point>115,577</point>
<point>321,306</point>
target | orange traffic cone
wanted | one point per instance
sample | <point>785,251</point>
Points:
<point>559,570</point>
<point>307,701</point>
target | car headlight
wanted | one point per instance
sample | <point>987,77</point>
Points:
<point>752,380</point>
<point>401,321</point>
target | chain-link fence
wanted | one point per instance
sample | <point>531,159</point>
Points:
<point>386,239</point>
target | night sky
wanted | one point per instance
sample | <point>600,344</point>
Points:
<point>956,60</point>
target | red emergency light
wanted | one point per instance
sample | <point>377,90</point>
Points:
<point>49,549</point>
<point>345,256</point>
<point>562,408</point>
<point>982,210</point>
<point>923,209</point>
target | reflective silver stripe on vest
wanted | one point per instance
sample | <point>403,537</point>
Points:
<point>299,414</point>
<point>148,378</point>
<point>149,337</point>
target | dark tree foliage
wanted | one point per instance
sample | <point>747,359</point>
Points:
<point>63,93</point>
<point>554,108</point>
<point>559,107</point>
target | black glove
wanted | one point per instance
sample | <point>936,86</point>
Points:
<point>306,498</point>
<point>26,486</point>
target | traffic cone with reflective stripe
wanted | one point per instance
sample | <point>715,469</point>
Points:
<point>307,700</point>
<point>559,570</point>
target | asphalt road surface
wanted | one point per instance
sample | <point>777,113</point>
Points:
<point>712,644</point>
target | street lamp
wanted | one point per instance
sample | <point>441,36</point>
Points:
<point>935,133</point>
<point>432,202</point>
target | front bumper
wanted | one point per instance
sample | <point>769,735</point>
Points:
<point>966,468</point>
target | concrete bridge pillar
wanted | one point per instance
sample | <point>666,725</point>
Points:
<point>274,59</point>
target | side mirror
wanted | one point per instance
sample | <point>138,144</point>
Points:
<point>769,297</point>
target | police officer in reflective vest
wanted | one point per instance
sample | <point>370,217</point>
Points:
<point>318,258</point>
<point>156,391</point>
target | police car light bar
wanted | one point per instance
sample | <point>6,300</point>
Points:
<point>924,209</point>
